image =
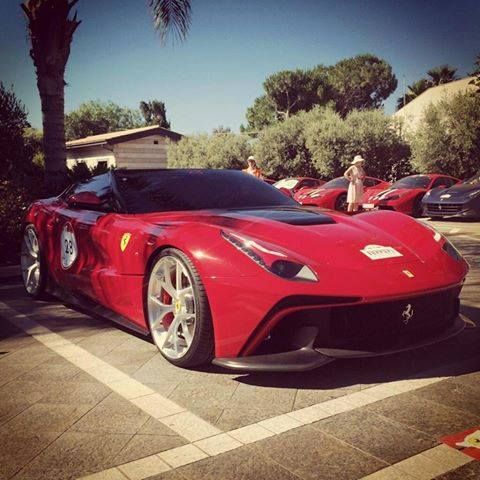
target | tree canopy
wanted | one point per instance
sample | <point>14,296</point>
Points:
<point>95,117</point>
<point>441,74</point>
<point>360,82</point>
<point>155,113</point>
<point>448,138</point>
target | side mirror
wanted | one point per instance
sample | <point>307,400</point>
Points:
<point>89,200</point>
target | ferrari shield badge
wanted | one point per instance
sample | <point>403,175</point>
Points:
<point>379,252</point>
<point>68,245</point>
<point>124,241</point>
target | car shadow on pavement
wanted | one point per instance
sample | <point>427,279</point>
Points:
<point>456,356</point>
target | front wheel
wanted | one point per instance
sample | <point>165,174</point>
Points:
<point>341,202</point>
<point>178,313</point>
<point>34,273</point>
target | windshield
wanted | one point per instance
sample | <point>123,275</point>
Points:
<point>288,183</point>
<point>415,181</point>
<point>173,190</point>
<point>474,180</point>
<point>340,182</point>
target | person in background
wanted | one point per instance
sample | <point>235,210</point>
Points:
<point>252,168</point>
<point>355,175</point>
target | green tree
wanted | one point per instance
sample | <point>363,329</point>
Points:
<point>281,149</point>
<point>51,28</point>
<point>261,114</point>
<point>33,139</point>
<point>441,74</point>
<point>361,82</point>
<point>334,141</point>
<point>155,113</point>
<point>13,122</point>
<point>413,91</point>
<point>95,117</point>
<point>221,150</point>
<point>448,138</point>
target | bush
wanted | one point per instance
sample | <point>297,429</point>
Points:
<point>448,139</point>
<point>281,149</point>
<point>220,150</point>
<point>333,142</point>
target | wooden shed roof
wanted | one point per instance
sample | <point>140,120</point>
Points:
<point>122,136</point>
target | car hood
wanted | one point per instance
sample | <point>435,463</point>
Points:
<point>460,191</point>
<point>315,236</point>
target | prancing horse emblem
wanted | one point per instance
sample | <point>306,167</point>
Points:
<point>407,314</point>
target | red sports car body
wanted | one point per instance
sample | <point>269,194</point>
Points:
<point>217,265</point>
<point>333,194</point>
<point>406,195</point>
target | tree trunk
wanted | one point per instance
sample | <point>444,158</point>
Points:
<point>51,89</point>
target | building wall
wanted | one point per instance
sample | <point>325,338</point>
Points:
<point>412,112</point>
<point>147,152</point>
<point>91,156</point>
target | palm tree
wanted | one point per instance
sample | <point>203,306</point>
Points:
<point>441,74</point>
<point>51,28</point>
<point>414,90</point>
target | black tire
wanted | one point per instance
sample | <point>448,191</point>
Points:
<point>341,203</point>
<point>36,291</point>
<point>201,349</point>
<point>417,207</point>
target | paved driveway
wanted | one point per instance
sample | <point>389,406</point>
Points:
<point>79,397</point>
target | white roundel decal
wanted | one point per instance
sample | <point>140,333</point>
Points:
<point>68,246</point>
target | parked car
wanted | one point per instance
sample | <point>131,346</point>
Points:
<point>295,184</point>
<point>406,195</point>
<point>333,194</point>
<point>217,265</point>
<point>460,200</point>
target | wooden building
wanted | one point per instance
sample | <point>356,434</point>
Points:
<point>144,147</point>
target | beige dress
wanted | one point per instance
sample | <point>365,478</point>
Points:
<point>355,187</point>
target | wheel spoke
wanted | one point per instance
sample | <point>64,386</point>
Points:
<point>30,270</point>
<point>172,332</point>
<point>178,276</point>
<point>167,281</point>
<point>186,333</point>
<point>185,291</point>
<point>168,287</point>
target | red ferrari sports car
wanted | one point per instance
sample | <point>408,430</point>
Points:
<point>406,195</point>
<point>333,194</point>
<point>218,265</point>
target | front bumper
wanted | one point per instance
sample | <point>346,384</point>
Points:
<point>450,209</point>
<point>309,358</point>
<point>310,336</point>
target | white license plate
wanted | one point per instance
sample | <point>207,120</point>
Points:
<point>368,206</point>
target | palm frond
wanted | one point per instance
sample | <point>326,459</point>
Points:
<point>171,18</point>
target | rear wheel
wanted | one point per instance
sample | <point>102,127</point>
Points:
<point>34,273</point>
<point>341,202</point>
<point>178,313</point>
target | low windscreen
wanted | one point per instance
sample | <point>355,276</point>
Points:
<point>286,183</point>
<point>473,180</point>
<point>340,182</point>
<point>173,190</point>
<point>415,181</point>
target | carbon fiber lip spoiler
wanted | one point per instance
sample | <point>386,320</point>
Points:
<point>308,358</point>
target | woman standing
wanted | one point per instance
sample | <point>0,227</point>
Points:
<point>355,175</point>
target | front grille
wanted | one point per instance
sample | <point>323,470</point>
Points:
<point>445,208</point>
<point>380,325</point>
<point>372,326</point>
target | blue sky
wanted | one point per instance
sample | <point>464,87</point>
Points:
<point>213,77</point>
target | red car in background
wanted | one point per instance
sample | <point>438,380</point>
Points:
<point>333,194</point>
<point>406,194</point>
<point>295,184</point>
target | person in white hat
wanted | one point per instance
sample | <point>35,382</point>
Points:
<point>252,168</point>
<point>355,175</point>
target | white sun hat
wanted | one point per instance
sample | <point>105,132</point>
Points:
<point>251,157</point>
<point>357,159</point>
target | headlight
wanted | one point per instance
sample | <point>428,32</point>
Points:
<point>452,251</point>
<point>427,194</point>
<point>474,194</point>
<point>270,258</point>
